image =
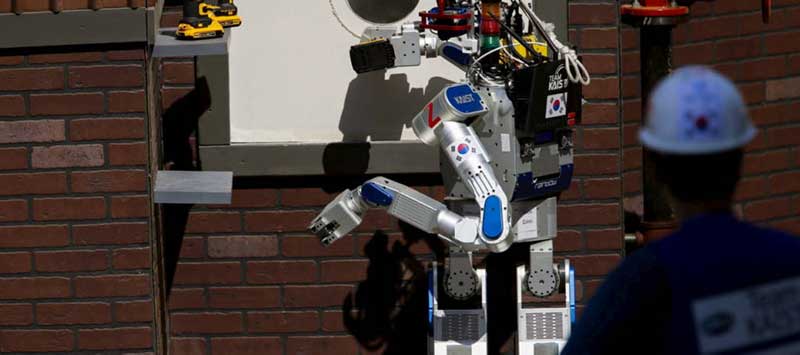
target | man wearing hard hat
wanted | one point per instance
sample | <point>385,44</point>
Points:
<point>717,285</point>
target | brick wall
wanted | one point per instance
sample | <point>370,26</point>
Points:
<point>764,60</point>
<point>75,271</point>
<point>251,280</point>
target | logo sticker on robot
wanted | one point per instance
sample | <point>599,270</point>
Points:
<point>748,317</point>
<point>463,149</point>
<point>432,122</point>
<point>464,99</point>
<point>556,106</point>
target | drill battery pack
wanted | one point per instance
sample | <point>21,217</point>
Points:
<point>372,56</point>
<point>545,99</point>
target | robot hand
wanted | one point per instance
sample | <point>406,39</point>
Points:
<point>345,213</point>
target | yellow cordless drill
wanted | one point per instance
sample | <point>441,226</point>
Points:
<point>227,14</point>
<point>198,21</point>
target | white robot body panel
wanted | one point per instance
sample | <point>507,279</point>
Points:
<point>458,331</point>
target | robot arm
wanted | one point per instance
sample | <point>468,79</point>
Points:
<point>345,213</point>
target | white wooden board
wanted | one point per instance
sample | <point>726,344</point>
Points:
<point>291,78</point>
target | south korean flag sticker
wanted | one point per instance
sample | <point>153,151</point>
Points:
<point>556,106</point>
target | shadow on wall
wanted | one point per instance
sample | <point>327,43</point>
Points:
<point>379,108</point>
<point>375,109</point>
<point>179,123</point>
<point>389,310</point>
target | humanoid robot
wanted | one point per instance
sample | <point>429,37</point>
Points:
<point>505,138</point>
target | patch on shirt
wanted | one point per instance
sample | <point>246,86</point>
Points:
<point>748,317</point>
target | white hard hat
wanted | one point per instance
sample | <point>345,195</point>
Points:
<point>694,111</point>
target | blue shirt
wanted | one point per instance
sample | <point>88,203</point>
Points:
<point>645,305</point>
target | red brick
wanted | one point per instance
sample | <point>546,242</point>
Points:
<point>33,236</point>
<point>282,322</point>
<point>222,273</point>
<point>14,263</point>
<point>766,162</point>
<point>784,136</point>
<point>133,312</point>
<point>608,239</point>
<point>595,114</point>
<point>596,164</point>
<point>311,246</point>
<point>332,321</point>
<point>244,297</point>
<point>631,87</point>
<point>785,182</point>
<point>632,111</point>
<point>247,346</point>
<point>126,101</point>
<point>13,158</point>
<point>111,233</point>
<point>115,338</point>
<point>126,55</point>
<point>34,288</point>
<point>281,272</point>
<point>702,53</point>
<point>775,113</point>
<point>112,286</point>
<point>328,345</point>
<point>278,221</point>
<point>242,246</point>
<point>592,14</point>
<point>737,48</point>
<point>629,38</point>
<point>67,104</point>
<point>13,210</point>
<point>599,38</point>
<point>794,64</point>
<point>130,206</point>
<point>16,314</point>
<point>599,64</point>
<point>753,93</point>
<point>38,340</point>
<point>170,95</point>
<point>594,214</point>
<point>31,131</point>
<point>783,89</point>
<point>129,259</point>
<point>778,43</point>
<point>31,79</point>
<point>343,270</point>
<point>213,222</point>
<point>73,313</point>
<point>193,248</point>
<point>594,265</point>
<point>184,298</point>
<point>315,295</point>
<point>568,240</point>
<point>178,73</point>
<point>11,60</point>
<point>602,88</point>
<point>764,68</point>
<point>599,189</point>
<point>106,76</point>
<point>630,135</point>
<point>73,260</point>
<point>67,156</point>
<point>12,105</point>
<point>632,182</point>
<point>106,128</point>
<point>572,193</point>
<point>127,154</point>
<point>751,188</point>
<point>305,197</point>
<point>632,158</point>
<point>631,63</point>
<point>713,28</point>
<point>109,181</point>
<point>206,323</point>
<point>57,58</point>
<point>768,209</point>
<point>187,346</point>
<point>56,209</point>
<point>601,138</point>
